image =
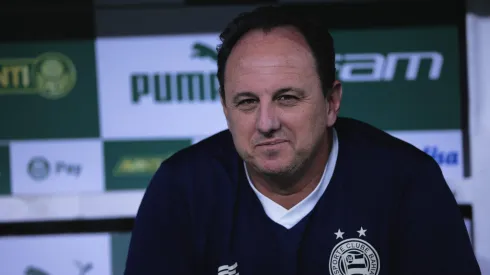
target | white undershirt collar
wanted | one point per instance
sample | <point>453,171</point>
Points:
<point>289,218</point>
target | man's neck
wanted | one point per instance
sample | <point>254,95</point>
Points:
<point>290,190</point>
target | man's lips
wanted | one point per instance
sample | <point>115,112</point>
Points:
<point>272,142</point>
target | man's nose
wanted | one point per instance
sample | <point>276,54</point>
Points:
<point>267,119</point>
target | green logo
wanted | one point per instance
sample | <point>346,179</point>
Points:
<point>170,87</point>
<point>32,270</point>
<point>400,79</point>
<point>402,72</point>
<point>201,50</point>
<point>82,269</point>
<point>38,168</point>
<point>4,170</point>
<point>51,75</point>
<point>131,164</point>
<point>378,67</point>
<point>43,95</point>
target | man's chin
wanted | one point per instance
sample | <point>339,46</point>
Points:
<point>274,168</point>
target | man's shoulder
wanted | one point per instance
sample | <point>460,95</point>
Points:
<point>379,144</point>
<point>217,147</point>
<point>201,173</point>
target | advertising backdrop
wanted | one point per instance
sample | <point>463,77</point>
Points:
<point>85,116</point>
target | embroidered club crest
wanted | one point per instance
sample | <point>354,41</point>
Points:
<point>354,256</point>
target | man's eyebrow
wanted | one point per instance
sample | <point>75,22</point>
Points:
<point>289,89</point>
<point>239,95</point>
<point>278,92</point>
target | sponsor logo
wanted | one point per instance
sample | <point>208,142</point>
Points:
<point>444,158</point>
<point>201,50</point>
<point>354,256</point>
<point>228,269</point>
<point>51,75</point>
<point>138,165</point>
<point>170,87</point>
<point>83,269</point>
<point>131,164</point>
<point>194,86</point>
<point>377,67</point>
<point>39,168</point>
<point>4,170</point>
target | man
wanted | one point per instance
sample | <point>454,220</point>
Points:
<point>291,188</point>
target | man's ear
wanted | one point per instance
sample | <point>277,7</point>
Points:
<point>333,101</point>
<point>224,107</point>
<point>223,103</point>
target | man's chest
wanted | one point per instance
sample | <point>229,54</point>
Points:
<point>329,241</point>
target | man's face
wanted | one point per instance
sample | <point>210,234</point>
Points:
<point>274,105</point>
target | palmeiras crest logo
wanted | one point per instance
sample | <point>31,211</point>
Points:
<point>354,256</point>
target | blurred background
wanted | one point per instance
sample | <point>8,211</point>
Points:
<point>94,95</point>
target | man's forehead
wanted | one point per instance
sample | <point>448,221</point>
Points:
<point>258,36</point>
<point>271,58</point>
<point>272,65</point>
<point>268,84</point>
<point>279,42</point>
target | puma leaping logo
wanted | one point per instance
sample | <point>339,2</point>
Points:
<point>31,270</point>
<point>203,51</point>
<point>83,268</point>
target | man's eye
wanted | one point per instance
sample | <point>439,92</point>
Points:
<point>287,98</point>
<point>246,102</point>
